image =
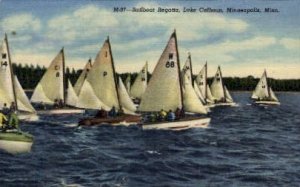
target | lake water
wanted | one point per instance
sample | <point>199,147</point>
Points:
<point>244,146</point>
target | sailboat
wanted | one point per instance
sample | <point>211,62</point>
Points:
<point>100,90</point>
<point>82,77</point>
<point>220,91</point>
<point>11,90</point>
<point>263,93</point>
<point>53,88</point>
<point>140,84</point>
<point>202,86</point>
<point>166,90</point>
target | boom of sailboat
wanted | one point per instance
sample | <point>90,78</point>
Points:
<point>99,88</point>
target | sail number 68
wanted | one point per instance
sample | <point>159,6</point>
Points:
<point>170,64</point>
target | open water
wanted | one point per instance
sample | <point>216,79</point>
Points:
<point>244,146</point>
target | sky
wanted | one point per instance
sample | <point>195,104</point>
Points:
<point>242,44</point>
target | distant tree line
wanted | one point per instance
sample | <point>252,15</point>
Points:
<point>30,75</point>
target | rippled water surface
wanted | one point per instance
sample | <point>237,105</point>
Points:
<point>244,146</point>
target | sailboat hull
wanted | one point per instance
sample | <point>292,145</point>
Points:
<point>178,125</point>
<point>61,111</point>
<point>15,142</point>
<point>124,120</point>
<point>28,117</point>
<point>267,102</point>
<point>223,104</point>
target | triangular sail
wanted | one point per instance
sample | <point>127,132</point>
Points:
<point>71,97</point>
<point>227,95</point>
<point>125,100</point>
<point>210,97</point>
<point>128,83</point>
<point>272,95</point>
<point>102,77</point>
<point>217,86</point>
<point>199,94</point>
<point>6,84</point>
<point>201,80</point>
<point>187,70</point>
<point>140,84</point>
<point>261,90</point>
<point>88,99</point>
<point>164,90</point>
<point>82,77</point>
<point>22,99</point>
<point>52,82</point>
<point>190,99</point>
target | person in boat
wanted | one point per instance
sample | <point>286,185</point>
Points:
<point>170,116</point>
<point>3,121</point>
<point>60,103</point>
<point>101,113</point>
<point>112,112</point>
<point>179,113</point>
<point>43,106</point>
<point>55,104</point>
<point>13,122</point>
<point>5,109</point>
<point>12,107</point>
<point>162,115</point>
<point>121,111</point>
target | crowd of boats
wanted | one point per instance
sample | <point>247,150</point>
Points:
<point>99,90</point>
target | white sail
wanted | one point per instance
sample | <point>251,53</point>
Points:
<point>6,84</point>
<point>22,99</point>
<point>261,91</point>
<point>52,83</point>
<point>163,90</point>
<point>272,95</point>
<point>210,97</point>
<point>227,95</point>
<point>88,99</point>
<point>102,77</point>
<point>190,99</point>
<point>140,84</point>
<point>187,70</point>
<point>82,77</point>
<point>217,87</point>
<point>125,100</point>
<point>128,83</point>
<point>199,94</point>
<point>201,81</point>
<point>71,97</point>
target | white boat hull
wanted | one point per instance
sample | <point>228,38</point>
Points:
<point>224,104</point>
<point>267,102</point>
<point>178,125</point>
<point>61,111</point>
<point>28,117</point>
<point>15,147</point>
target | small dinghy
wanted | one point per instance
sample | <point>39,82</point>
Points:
<point>54,88</point>
<point>102,90</point>
<point>220,92</point>
<point>11,90</point>
<point>124,119</point>
<point>263,93</point>
<point>14,141</point>
<point>169,89</point>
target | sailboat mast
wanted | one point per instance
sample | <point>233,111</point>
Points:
<point>114,71</point>
<point>269,95</point>
<point>224,93</point>
<point>205,85</point>
<point>191,68</point>
<point>11,72</point>
<point>178,65</point>
<point>64,75</point>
